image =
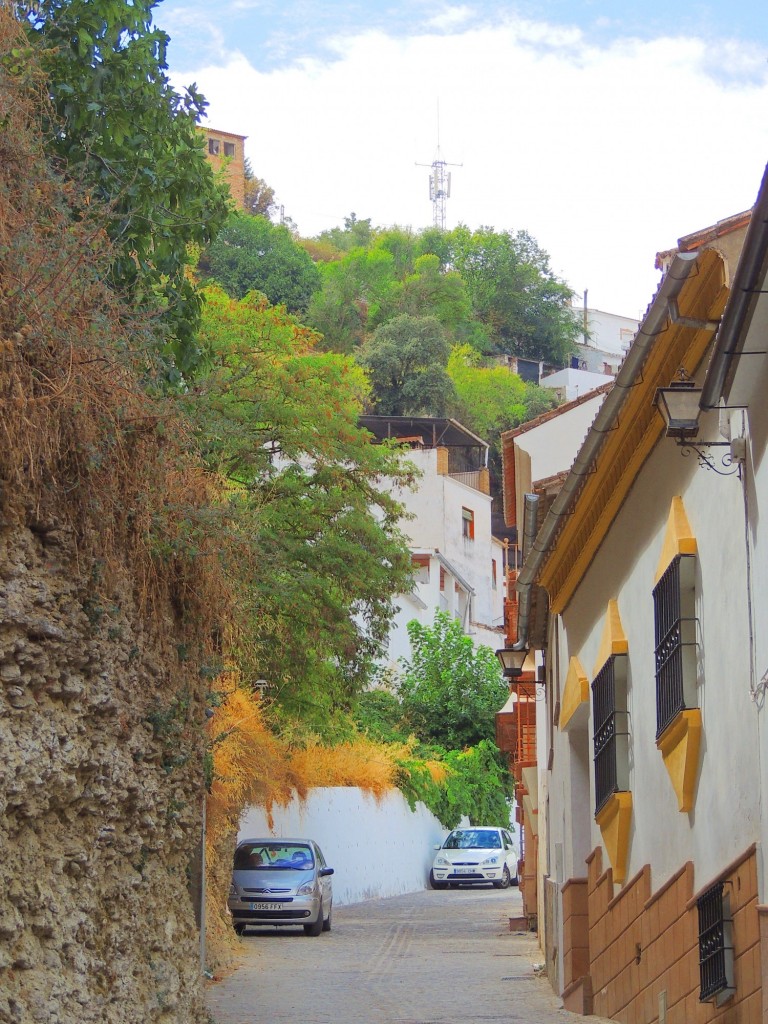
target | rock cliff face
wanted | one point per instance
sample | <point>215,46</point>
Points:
<point>101,725</point>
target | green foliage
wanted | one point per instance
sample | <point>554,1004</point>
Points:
<point>319,551</point>
<point>491,400</point>
<point>353,235</point>
<point>442,711</point>
<point>515,294</point>
<point>492,290</point>
<point>122,132</point>
<point>259,197</point>
<point>473,783</point>
<point>477,785</point>
<point>406,359</point>
<point>253,254</point>
<point>450,689</point>
<point>356,291</point>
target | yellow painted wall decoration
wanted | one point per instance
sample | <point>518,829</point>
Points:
<point>679,743</point>
<point>614,820</point>
<point>679,746</point>
<point>574,709</point>
<point>614,639</point>
<point>678,538</point>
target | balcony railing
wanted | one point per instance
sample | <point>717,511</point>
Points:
<point>478,479</point>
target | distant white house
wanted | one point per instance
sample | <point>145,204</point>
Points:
<point>571,383</point>
<point>459,564</point>
<point>605,341</point>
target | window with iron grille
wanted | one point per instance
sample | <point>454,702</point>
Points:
<point>611,729</point>
<point>715,945</point>
<point>675,629</point>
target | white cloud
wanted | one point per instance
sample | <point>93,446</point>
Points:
<point>604,154</point>
<point>450,18</point>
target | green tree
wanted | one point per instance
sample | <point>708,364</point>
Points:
<point>355,234</point>
<point>513,291</point>
<point>405,359</point>
<point>121,130</point>
<point>432,291</point>
<point>450,689</point>
<point>259,197</point>
<point>356,292</point>
<point>320,551</point>
<point>253,254</point>
<point>492,398</point>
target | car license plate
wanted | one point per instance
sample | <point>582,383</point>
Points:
<point>465,871</point>
<point>266,906</point>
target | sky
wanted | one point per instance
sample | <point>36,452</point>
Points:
<point>606,129</point>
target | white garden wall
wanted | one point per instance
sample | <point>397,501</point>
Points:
<point>377,848</point>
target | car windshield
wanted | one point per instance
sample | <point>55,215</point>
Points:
<point>268,856</point>
<point>473,839</point>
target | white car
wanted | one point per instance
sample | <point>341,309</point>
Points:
<point>475,855</point>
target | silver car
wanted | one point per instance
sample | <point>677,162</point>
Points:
<point>281,882</point>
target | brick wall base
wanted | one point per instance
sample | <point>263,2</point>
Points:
<point>642,947</point>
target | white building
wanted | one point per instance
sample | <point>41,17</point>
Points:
<point>459,564</point>
<point>606,340</point>
<point>651,737</point>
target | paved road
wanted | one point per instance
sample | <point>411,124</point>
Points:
<point>425,958</point>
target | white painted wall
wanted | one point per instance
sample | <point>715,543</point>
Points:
<point>377,848</point>
<point>570,383</point>
<point>554,443</point>
<point>726,815</point>
<point>610,332</point>
<point>435,507</point>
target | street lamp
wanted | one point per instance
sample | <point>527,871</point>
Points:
<point>511,660</point>
<point>680,410</point>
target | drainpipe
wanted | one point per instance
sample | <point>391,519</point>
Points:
<point>744,293</point>
<point>653,324</point>
<point>530,510</point>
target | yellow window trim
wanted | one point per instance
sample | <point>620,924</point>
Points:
<point>614,639</point>
<point>679,745</point>
<point>678,538</point>
<point>574,709</point>
<point>614,819</point>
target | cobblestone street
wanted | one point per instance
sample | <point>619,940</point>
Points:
<point>445,957</point>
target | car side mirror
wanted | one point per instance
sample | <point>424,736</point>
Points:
<point>325,871</point>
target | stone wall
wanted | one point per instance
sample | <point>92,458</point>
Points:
<point>100,794</point>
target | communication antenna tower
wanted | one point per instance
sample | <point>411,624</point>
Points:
<point>439,182</point>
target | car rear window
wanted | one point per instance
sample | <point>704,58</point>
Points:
<point>263,856</point>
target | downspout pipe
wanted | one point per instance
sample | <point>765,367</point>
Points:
<point>654,323</point>
<point>744,294</point>
<point>530,511</point>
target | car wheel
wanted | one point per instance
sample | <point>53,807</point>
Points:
<point>317,926</point>
<point>505,881</point>
<point>434,884</point>
<point>327,921</point>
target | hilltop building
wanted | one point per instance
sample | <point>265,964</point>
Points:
<point>227,150</point>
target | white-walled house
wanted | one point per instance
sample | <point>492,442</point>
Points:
<point>573,382</point>
<point>459,564</point>
<point>652,563</point>
<point>607,338</point>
